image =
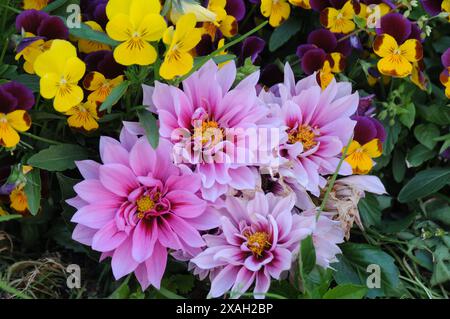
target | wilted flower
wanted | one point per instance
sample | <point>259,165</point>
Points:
<point>342,204</point>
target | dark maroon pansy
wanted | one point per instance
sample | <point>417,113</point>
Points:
<point>445,58</point>
<point>324,39</point>
<point>303,48</point>
<point>236,8</point>
<point>103,62</point>
<point>365,106</point>
<point>388,2</point>
<point>42,25</point>
<point>367,129</point>
<point>345,46</point>
<point>319,5</point>
<point>416,33</point>
<point>271,75</point>
<point>94,10</point>
<point>252,48</point>
<point>313,60</point>
<point>205,46</point>
<point>15,96</point>
<point>396,25</point>
<point>433,7</point>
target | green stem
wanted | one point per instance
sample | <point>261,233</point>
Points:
<point>5,287</point>
<point>333,178</point>
<point>41,139</point>
<point>219,50</point>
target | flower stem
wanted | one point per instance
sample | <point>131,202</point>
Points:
<point>333,179</point>
<point>41,139</point>
<point>219,50</point>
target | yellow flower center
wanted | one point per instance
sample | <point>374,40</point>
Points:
<point>209,131</point>
<point>144,204</point>
<point>305,135</point>
<point>3,118</point>
<point>258,242</point>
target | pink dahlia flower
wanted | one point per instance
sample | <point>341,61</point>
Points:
<point>326,234</point>
<point>136,205</point>
<point>258,242</point>
<point>207,123</point>
<point>317,125</point>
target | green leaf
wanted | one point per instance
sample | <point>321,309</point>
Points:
<point>86,32</point>
<point>58,158</point>
<point>54,5</point>
<point>408,115</point>
<point>418,155</point>
<point>122,292</point>
<point>33,190</point>
<point>369,211</point>
<point>148,122</point>
<point>6,218</point>
<point>284,33</point>
<point>425,183</point>
<point>398,166</point>
<point>396,226</point>
<point>392,133</point>
<point>426,134</point>
<point>353,268</point>
<point>114,96</point>
<point>307,255</point>
<point>346,291</point>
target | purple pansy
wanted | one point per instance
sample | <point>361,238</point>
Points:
<point>368,128</point>
<point>433,7</point>
<point>15,96</point>
<point>236,8</point>
<point>252,48</point>
<point>399,27</point>
<point>365,107</point>
<point>94,10</point>
<point>42,25</point>
<point>103,62</point>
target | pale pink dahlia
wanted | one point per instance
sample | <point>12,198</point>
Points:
<point>317,125</point>
<point>136,205</point>
<point>200,120</point>
<point>258,241</point>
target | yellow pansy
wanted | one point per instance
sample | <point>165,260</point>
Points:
<point>223,52</point>
<point>31,52</point>
<point>135,23</point>
<point>276,10</point>
<point>339,20</point>
<point>227,24</point>
<point>100,86</point>
<point>178,60</point>
<point>325,75</point>
<point>34,4</point>
<point>18,200</point>
<point>60,70</point>
<point>89,46</point>
<point>3,212</point>
<point>446,7</point>
<point>10,124</point>
<point>360,156</point>
<point>370,12</point>
<point>301,3</point>
<point>84,116</point>
<point>396,60</point>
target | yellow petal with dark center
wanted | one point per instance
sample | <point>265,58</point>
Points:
<point>280,13</point>
<point>374,148</point>
<point>120,28</point>
<point>8,136</point>
<point>152,27</point>
<point>385,45</point>
<point>20,120</point>
<point>176,64</point>
<point>412,50</point>
<point>395,65</point>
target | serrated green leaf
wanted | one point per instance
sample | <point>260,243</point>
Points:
<point>58,158</point>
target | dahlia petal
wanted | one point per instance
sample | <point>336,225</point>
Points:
<point>142,157</point>
<point>118,179</point>
<point>244,280</point>
<point>223,281</point>
<point>144,239</point>
<point>262,285</point>
<point>282,261</point>
<point>93,191</point>
<point>108,238</point>
<point>156,265</point>
<point>186,204</point>
<point>206,260</point>
<point>83,234</point>
<point>94,215</point>
<point>242,178</point>
<point>88,169</point>
<point>122,262</point>
<point>230,231</point>
<point>185,231</point>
